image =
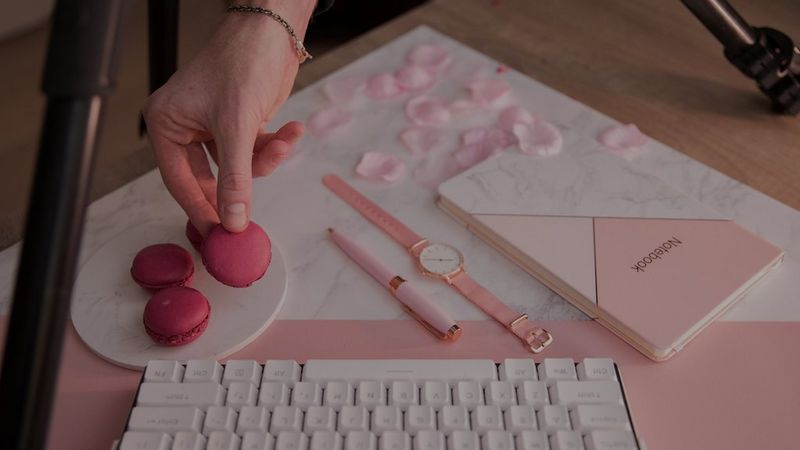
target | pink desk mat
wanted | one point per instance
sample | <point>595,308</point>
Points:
<point>734,387</point>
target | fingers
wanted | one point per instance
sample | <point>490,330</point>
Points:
<point>235,178</point>
<point>202,172</point>
<point>271,151</point>
<point>176,171</point>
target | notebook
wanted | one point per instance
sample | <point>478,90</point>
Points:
<point>648,262</point>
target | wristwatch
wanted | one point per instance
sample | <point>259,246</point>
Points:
<point>443,262</point>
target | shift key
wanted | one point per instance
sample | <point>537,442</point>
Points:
<point>571,393</point>
<point>201,395</point>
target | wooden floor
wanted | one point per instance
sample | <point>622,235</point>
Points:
<point>648,62</point>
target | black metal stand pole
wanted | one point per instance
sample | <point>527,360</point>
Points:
<point>162,25</point>
<point>79,71</point>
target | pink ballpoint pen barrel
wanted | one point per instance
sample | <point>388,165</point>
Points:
<point>414,302</point>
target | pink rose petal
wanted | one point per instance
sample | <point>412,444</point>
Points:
<point>414,78</point>
<point>488,90</point>
<point>383,86</point>
<point>622,137</point>
<point>464,107</point>
<point>381,167</point>
<point>430,56</point>
<point>513,115</point>
<point>492,137</point>
<point>325,121</point>
<point>427,110</point>
<point>539,138</point>
<point>421,140</point>
<point>343,89</point>
<point>469,155</point>
<point>432,172</point>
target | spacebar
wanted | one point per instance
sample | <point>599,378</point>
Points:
<point>320,370</point>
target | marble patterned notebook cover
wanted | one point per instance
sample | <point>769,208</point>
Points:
<point>653,265</point>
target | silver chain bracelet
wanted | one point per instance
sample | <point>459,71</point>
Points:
<point>302,53</point>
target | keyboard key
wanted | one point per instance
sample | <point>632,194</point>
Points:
<point>463,440</point>
<point>453,418</point>
<point>241,394</point>
<point>338,394</point>
<point>394,440</point>
<point>321,370</point>
<point>386,418</point>
<point>305,394</point>
<point>163,372</point>
<point>360,440</point>
<point>201,371</point>
<point>189,440</point>
<point>257,440</point>
<point>291,440</point>
<point>169,419</point>
<point>486,418</point>
<point>610,440</point>
<point>245,370</point>
<point>436,394</point>
<point>554,369</point>
<point>285,371</point>
<point>326,440</point>
<point>532,440</point>
<point>145,440</point>
<point>403,393</point>
<point>252,418</point>
<point>223,440</point>
<point>518,370</point>
<point>596,369</point>
<point>370,394</point>
<point>353,418</point>
<point>520,418</point>
<point>586,418</point>
<point>533,393</point>
<point>468,394</point>
<point>201,395</point>
<point>320,418</point>
<point>273,393</point>
<point>566,440</point>
<point>501,393</point>
<point>571,393</point>
<point>498,440</point>
<point>219,418</point>
<point>286,418</point>
<point>420,418</point>
<point>553,418</point>
<point>429,440</point>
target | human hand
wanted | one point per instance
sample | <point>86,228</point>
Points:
<point>222,100</point>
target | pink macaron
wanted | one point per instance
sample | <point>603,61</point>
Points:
<point>194,236</point>
<point>161,266</point>
<point>237,259</point>
<point>176,316</point>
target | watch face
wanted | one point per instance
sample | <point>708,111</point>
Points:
<point>440,259</point>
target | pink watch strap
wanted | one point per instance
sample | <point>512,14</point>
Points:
<point>534,337</point>
<point>372,212</point>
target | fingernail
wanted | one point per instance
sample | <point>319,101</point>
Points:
<point>236,216</point>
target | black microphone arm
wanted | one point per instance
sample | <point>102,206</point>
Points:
<point>764,54</point>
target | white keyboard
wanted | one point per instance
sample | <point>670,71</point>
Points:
<point>380,405</point>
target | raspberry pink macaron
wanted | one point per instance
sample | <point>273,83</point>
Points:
<point>161,266</point>
<point>176,316</point>
<point>237,259</point>
<point>194,236</point>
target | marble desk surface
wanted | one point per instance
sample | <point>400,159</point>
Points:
<point>295,209</point>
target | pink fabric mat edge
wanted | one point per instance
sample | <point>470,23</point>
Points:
<point>735,387</point>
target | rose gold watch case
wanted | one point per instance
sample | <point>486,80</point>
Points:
<point>416,253</point>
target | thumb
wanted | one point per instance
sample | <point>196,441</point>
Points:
<point>235,177</point>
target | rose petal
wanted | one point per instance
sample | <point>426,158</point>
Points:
<point>343,89</point>
<point>383,86</point>
<point>414,78</point>
<point>464,107</point>
<point>622,137</point>
<point>427,110</point>
<point>430,56</point>
<point>493,137</point>
<point>538,138</point>
<point>421,140</point>
<point>326,120</point>
<point>513,115</point>
<point>381,167</point>
<point>432,172</point>
<point>469,155</point>
<point>488,90</point>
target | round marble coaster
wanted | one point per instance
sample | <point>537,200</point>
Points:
<point>107,304</point>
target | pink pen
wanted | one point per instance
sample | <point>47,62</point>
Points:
<point>430,315</point>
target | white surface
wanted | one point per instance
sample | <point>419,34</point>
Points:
<point>325,284</point>
<point>107,306</point>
